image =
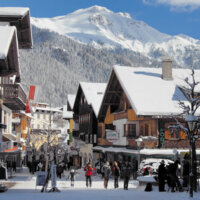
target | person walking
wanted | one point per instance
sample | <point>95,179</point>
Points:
<point>88,173</point>
<point>135,168</point>
<point>186,170</point>
<point>116,172</point>
<point>126,174</point>
<point>59,171</point>
<point>107,172</point>
<point>72,175</point>
<point>161,176</point>
<point>174,181</point>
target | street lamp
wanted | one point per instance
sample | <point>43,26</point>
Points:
<point>139,142</point>
<point>191,121</point>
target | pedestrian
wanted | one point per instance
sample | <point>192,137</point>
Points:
<point>161,176</point>
<point>126,170</point>
<point>174,181</point>
<point>59,171</point>
<point>186,170</point>
<point>88,173</point>
<point>72,176</point>
<point>116,173</point>
<point>135,168</point>
<point>107,172</point>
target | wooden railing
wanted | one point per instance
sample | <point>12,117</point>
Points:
<point>10,91</point>
<point>13,96</point>
<point>120,115</point>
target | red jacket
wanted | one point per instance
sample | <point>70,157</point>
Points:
<point>88,171</point>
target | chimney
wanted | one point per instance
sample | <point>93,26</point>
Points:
<point>167,69</point>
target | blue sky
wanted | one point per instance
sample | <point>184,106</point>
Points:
<point>169,16</point>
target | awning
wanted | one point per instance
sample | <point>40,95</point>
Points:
<point>11,150</point>
<point>10,136</point>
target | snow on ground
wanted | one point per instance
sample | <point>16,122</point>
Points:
<point>25,190</point>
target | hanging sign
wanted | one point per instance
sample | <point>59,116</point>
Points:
<point>112,136</point>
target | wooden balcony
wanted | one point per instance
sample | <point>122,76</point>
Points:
<point>13,96</point>
<point>120,115</point>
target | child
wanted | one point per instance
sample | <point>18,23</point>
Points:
<point>71,176</point>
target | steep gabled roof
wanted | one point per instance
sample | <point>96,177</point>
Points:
<point>93,93</point>
<point>9,63</point>
<point>71,100</point>
<point>7,34</point>
<point>20,18</point>
<point>147,92</point>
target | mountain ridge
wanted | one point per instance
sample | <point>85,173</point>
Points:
<point>58,62</point>
<point>101,28</point>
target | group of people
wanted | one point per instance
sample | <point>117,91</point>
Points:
<point>169,175</point>
<point>107,169</point>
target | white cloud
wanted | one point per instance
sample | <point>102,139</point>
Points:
<point>182,5</point>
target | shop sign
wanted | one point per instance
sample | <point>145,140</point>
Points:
<point>112,136</point>
<point>40,178</point>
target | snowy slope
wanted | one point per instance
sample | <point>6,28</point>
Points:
<point>101,27</point>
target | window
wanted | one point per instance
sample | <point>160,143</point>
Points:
<point>175,133</point>
<point>130,130</point>
<point>141,130</point>
<point>146,130</point>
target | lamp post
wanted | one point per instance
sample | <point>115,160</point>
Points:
<point>139,142</point>
<point>191,121</point>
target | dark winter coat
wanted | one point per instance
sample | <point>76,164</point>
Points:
<point>116,171</point>
<point>186,168</point>
<point>135,166</point>
<point>107,171</point>
<point>126,170</point>
<point>161,172</point>
<point>59,169</point>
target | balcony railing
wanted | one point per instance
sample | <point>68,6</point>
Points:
<point>120,115</point>
<point>13,96</point>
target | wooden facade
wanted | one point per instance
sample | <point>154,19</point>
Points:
<point>84,115</point>
<point>153,130</point>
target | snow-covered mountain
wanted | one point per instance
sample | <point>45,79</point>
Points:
<point>102,28</point>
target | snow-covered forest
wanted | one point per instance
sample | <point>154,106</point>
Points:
<point>56,64</point>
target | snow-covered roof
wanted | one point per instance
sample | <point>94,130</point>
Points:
<point>148,93</point>
<point>94,93</point>
<point>71,100</point>
<point>67,114</point>
<point>6,35</point>
<point>48,109</point>
<point>13,11</point>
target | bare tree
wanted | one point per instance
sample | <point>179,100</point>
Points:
<point>192,93</point>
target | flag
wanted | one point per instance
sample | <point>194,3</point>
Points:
<point>31,97</point>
